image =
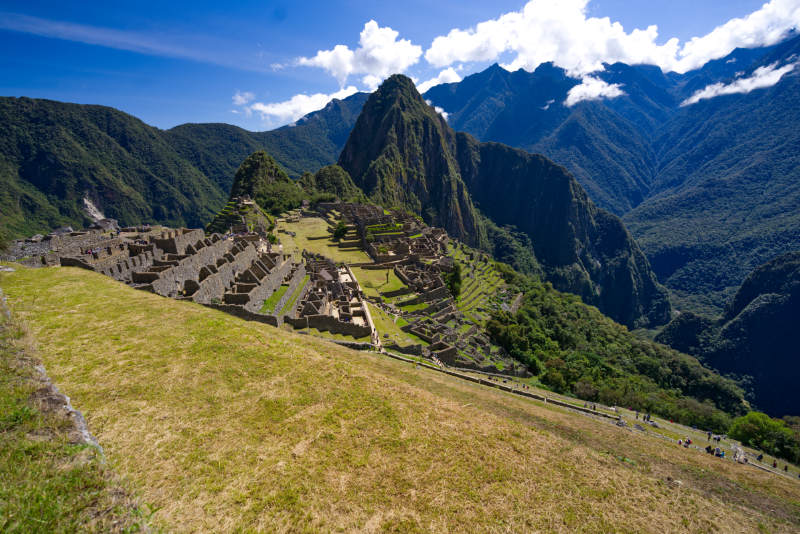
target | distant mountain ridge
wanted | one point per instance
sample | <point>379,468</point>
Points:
<point>709,190</point>
<point>54,154</point>
<point>401,152</point>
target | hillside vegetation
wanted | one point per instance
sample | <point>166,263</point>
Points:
<point>227,425</point>
<point>577,350</point>
<point>755,337</point>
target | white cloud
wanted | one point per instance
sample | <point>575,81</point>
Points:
<point>242,98</point>
<point>560,31</point>
<point>592,89</point>
<point>765,26</point>
<point>762,77</point>
<point>292,109</point>
<point>448,75</point>
<point>378,55</point>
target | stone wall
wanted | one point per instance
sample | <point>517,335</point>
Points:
<point>296,280</point>
<point>327,323</point>
<point>172,279</point>
<point>242,313</point>
<point>268,285</point>
<point>176,241</point>
<point>212,285</point>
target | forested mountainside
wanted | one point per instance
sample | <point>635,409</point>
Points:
<point>311,143</point>
<point>755,337</point>
<point>709,190</point>
<point>54,154</point>
<point>418,161</point>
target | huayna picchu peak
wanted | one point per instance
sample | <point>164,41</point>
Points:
<point>402,152</point>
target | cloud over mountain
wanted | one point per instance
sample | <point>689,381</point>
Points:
<point>448,75</point>
<point>762,77</point>
<point>592,89</point>
<point>287,111</point>
<point>560,31</point>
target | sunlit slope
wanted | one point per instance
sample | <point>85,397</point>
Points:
<point>229,425</point>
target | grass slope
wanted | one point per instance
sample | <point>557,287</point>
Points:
<point>227,425</point>
<point>48,483</point>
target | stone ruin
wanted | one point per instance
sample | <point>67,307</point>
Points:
<point>333,301</point>
<point>235,274</point>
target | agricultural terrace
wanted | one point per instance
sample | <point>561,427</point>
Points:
<point>226,425</point>
<point>389,327</point>
<point>373,281</point>
<point>481,284</point>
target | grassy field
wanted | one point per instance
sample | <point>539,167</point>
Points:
<point>48,483</point>
<point>373,281</point>
<point>309,228</point>
<point>225,425</point>
<point>385,324</point>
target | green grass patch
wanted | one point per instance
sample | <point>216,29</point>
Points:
<point>413,307</point>
<point>229,425</point>
<point>48,484</point>
<point>295,295</point>
<point>373,281</point>
<point>272,301</point>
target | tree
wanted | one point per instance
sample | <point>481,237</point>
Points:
<point>340,231</point>
<point>770,435</point>
<point>453,280</point>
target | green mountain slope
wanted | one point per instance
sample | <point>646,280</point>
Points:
<point>398,154</point>
<point>582,249</point>
<point>402,152</point>
<point>332,181</point>
<point>710,190</point>
<point>313,142</point>
<point>728,195</point>
<point>53,155</point>
<point>755,337</point>
<point>577,350</point>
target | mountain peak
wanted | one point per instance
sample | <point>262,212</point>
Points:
<point>398,155</point>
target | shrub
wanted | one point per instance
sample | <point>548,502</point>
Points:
<point>770,435</point>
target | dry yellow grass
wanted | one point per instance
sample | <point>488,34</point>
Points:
<point>234,426</point>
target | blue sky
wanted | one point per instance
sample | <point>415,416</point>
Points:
<point>174,62</point>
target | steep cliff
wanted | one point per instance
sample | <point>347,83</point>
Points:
<point>400,153</point>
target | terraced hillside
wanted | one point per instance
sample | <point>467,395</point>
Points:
<point>482,288</point>
<point>226,425</point>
